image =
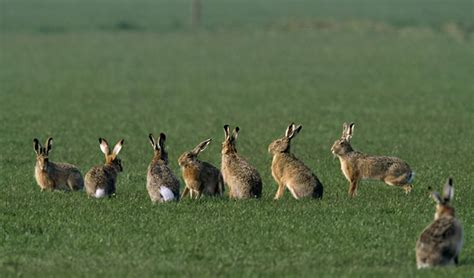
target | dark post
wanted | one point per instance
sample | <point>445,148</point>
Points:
<point>196,12</point>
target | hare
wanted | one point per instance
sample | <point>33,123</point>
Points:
<point>243,180</point>
<point>358,166</point>
<point>441,242</point>
<point>50,175</point>
<point>100,180</point>
<point>161,183</point>
<point>200,177</point>
<point>289,171</point>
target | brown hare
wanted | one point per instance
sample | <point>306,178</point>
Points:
<point>200,177</point>
<point>50,175</point>
<point>289,171</point>
<point>161,183</point>
<point>358,166</point>
<point>243,180</point>
<point>441,242</point>
<point>100,180</point>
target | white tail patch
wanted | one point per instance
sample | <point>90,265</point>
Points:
<point>166,194</point>
<point>100,193</point>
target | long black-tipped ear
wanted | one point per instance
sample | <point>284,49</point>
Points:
<point>104,146</point>
<point>226,131</point>
<point>448,191</point>
<point>295,130</point>
<point>235,133</point>
<point>117,147</point>
<point>153,141</point>
<point>289,129</point>
<point>36,146</point>
<point>201,146</point>
<point>162,140</point>
<point>436,197</point>
<point>49,144</point>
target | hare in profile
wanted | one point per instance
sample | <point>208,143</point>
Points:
<point>200,177</point>
<point>243,180</point>
<point>161,183</point>
<point>101,180</point>
<point>50,175</point>
<point>441,242</point>
<point>289,171</point>
<point>358,166</point>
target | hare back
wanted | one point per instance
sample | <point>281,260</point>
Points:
<point>243,180</point>
<point>62,176</point>
<point>378,167</point>
<point>440,242</point>
<point>100,177</point>
<point>161,175</point>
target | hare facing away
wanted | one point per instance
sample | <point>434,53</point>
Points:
<point>289,171</point>
<point>441,242</point>
<point>243,180</point>
<point>358,166</point>
<point>161,183</point>
<point>200,177</point>
<point>50,175</point>
<point>100,180</point>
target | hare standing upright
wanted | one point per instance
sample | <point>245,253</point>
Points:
<point>358,166</point>
<point>289,171</point>
<point>243,180</point>
<point>100,180</point>
<point>161,183</point>
<point>441,242</point>
<point>200,177</point>
<point>50,175</point>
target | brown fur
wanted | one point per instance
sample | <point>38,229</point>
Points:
<point>159,174</point>
<point>243,180</point>
<point>289,171</point>
<point>55,176</point>
<point>200,177</point>
<point>357,166</point>
<point>441,242</point>
<point>104,177</point>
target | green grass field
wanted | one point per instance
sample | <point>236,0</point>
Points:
<point>80,70</point>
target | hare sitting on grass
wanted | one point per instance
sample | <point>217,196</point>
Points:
<point>243,180</point>
<point>289,171</point>
<point>441,242</point>
<point>200,177</point>
<point>161,183</point>
<point>50,175</point>
<point>100,180</point>
<point>358,166</point>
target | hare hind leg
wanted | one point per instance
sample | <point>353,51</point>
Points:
<point>399,181</point>
<point>75,181</point>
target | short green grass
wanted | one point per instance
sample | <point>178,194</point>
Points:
<point>408,88</point>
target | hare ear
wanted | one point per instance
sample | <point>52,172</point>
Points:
<point>289,129</point>
<point>162,141</point>
<point>226,131</point>
<point>348,131</point>
<point>37,146</point>
<point>448,192</point>
<point>117,148</point>
<point>49,144</point>
<point>436,197</point>
<point>295,130</point>
<point>201,146</point>
<point>235,133</point>
<point>153,142</point>
<point>104,146</point>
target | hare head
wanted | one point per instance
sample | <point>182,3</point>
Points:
<point>191,156</point>
<point>343,146</point>
<point>229,144</point>
<point>443,208</point>
<point>111,158</point>
<point>42,153</point>
<point>282,145</point>
<point>159,147</point>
